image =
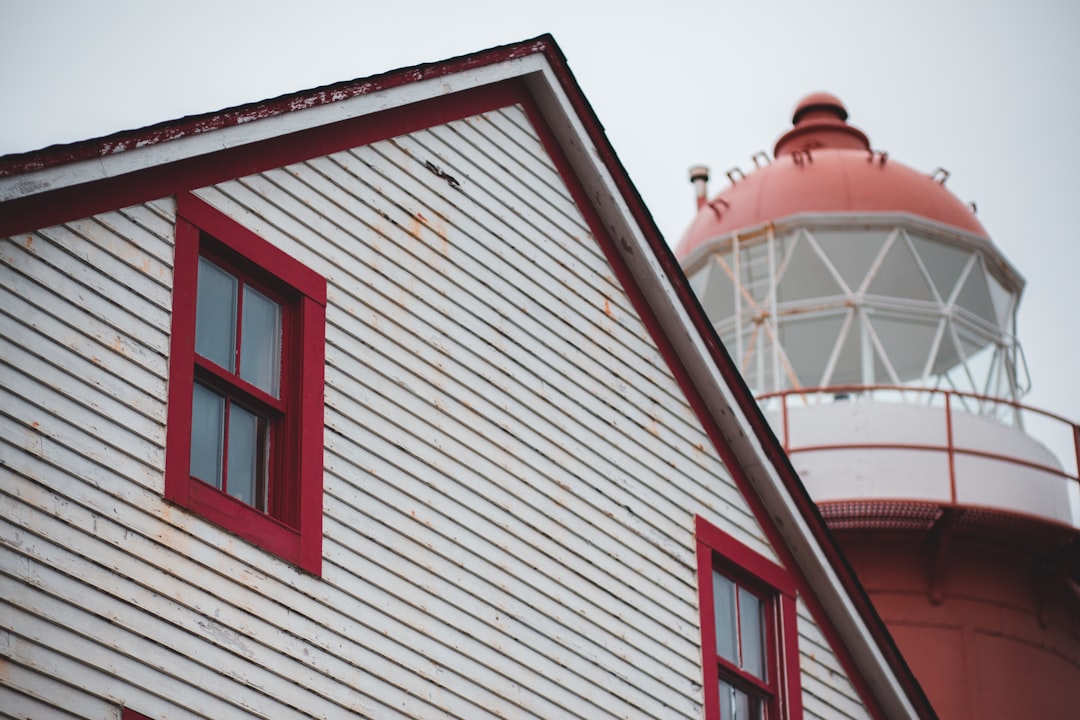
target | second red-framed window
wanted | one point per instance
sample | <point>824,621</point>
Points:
<point>749,635</point>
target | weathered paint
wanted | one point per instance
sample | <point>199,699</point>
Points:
<point>511,470</point>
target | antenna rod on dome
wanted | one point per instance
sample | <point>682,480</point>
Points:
<point>699,177</point>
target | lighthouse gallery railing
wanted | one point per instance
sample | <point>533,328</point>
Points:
<point>951,402</point>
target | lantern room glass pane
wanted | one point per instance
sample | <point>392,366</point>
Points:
<point>727,629</point>
<point>755,272</point>
<point>247,443</point>
<point>752,634</point>
<point>806,276</point>
<point>850,252</point>
<point>715,290</point>
<point>207,435</point>
<point>899,275</point>
<point>260,346</point>
<point>215,315</point>
<point>944,262</point>
<point>906,342</point>
<point>975,295</point>
<point>1003,303</point>
<point>808,342</point>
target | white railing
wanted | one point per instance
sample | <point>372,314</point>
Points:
<point>953,437</point>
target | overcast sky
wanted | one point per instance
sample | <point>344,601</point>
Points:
<point>988,90</point>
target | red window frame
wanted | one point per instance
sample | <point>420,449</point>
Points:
<point>780,692</point>
<point>291,528</point>
<point>129,714</point>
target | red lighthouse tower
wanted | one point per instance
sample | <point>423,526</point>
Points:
<point>876,320</point>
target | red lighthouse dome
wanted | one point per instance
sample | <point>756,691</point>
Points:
<point>824,165</point>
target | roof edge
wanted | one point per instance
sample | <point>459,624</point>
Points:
<point>191,125</point>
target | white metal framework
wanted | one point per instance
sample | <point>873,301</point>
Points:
<point>865,301</point>
<point>843,325</point>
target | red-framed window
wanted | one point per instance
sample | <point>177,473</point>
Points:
<point>129,714</point>
<point>244,445</point>
<point>749,638</point>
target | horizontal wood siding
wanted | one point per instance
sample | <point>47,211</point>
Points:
<point>827,691</point>
<point>511,471</point>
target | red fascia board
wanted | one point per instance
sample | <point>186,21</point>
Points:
<point>54,155</point>
<point>31,212</point>
<point>746,401</point>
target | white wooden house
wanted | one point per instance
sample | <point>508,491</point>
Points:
<point>387,399</point>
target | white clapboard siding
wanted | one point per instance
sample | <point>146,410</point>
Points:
<point>827,691</point>
<point>511,472</point>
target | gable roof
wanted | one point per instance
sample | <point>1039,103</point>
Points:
<point>72,181</point>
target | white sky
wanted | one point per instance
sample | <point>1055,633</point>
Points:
<point>989,90</point>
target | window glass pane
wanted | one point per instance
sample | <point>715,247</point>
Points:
<point>207,426</point>
<point>247,443</point>
<point>727,701</point>
<point>260,346</point>
<point>737,705</point>
<point>724,612</point>
<point>751,632</point>
<point>215,315</point>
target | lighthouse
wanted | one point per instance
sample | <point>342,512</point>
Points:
<point>875,319</point>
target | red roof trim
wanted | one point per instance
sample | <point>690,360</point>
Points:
<point>82,200</point>
<point>54,155</point>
